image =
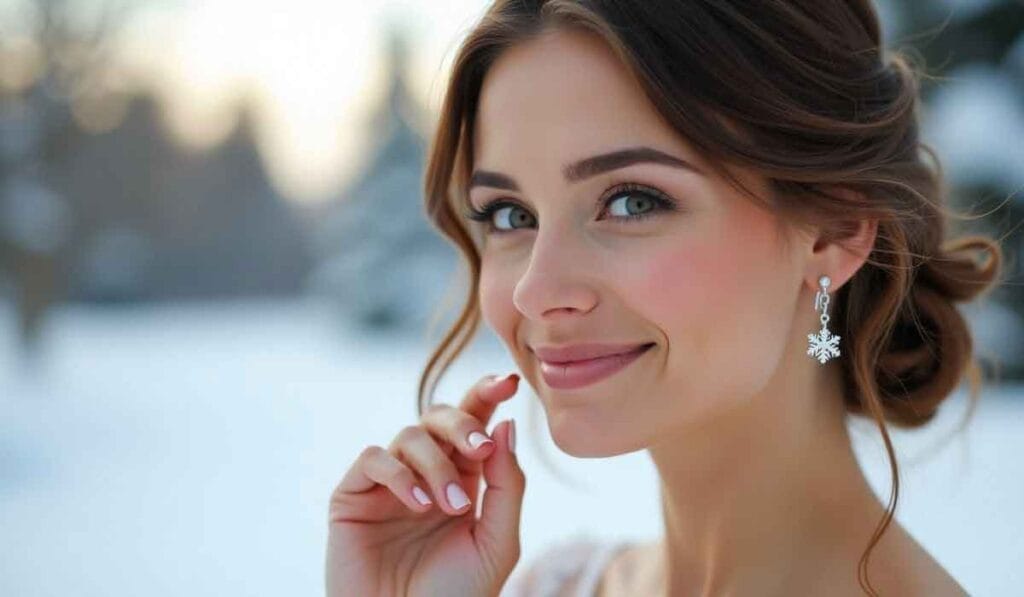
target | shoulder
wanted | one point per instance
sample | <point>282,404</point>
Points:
<point>562,569</point>
<point>905,567</point>
<point>928,577</point>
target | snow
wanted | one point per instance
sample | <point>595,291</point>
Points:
<point>189,449</point>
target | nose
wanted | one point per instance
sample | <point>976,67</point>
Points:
<point>557,280</point>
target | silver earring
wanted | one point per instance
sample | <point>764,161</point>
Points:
<point>823,345</point>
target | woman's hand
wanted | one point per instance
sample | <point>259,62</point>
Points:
<point>383,542</point>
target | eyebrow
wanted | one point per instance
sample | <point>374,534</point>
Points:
<point>589,167</point>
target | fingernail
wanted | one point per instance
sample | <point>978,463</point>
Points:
<point>498,380</point>
<point>477,439</point>
<point>512,435</point>
<point>421,496</point>
<point>456,496</point>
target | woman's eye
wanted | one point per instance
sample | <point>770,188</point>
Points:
<point>510,216</point>
<point>631,205</point>
<point>632,202</point>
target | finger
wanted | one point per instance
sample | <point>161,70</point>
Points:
<point>460,429</point>
<point>480,402</point>
<point>376,466</point>
<point>484,396</point>
<point>415,446</point>
<point>497,531</point>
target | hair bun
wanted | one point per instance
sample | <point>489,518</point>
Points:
<point>956,274</point>
<point>931,344</point>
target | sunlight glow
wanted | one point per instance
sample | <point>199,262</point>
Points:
<point>312,70</point>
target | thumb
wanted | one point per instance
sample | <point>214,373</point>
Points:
<point>497,530</point>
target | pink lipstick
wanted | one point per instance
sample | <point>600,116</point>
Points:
<point>572,374</point>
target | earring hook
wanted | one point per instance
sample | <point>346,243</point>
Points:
<point>821,297</point>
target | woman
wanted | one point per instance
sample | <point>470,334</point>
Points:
<point>702,229</point>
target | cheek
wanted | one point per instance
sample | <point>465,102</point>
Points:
<point>680,290</point>
<point>723,300</point>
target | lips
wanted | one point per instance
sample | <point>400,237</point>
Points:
<point>583,365</point>
<point>582,352</point>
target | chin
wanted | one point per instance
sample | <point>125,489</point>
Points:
<point>580,439</point>
<point>580,449</point>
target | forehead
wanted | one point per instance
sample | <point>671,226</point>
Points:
<point>560,97</point>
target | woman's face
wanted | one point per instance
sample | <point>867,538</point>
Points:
<point>708,281</point>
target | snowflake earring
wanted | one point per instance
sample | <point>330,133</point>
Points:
<point>823,345</point>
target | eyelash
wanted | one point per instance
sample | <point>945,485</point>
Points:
<point>661,203</point>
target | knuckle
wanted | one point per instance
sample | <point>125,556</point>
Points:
<point>515,553</point>
<point>409,433</point>
<point>436,408</point>
<point>464,424</point>
<point>467,420</point>
<point>482,384</point>
<point>399,474</point>
<point>519,477</point>
<point>337,501</point>
<point>454,426</point>
<point>370,452</point>
<point>428,458</point>
<point>448,416</point>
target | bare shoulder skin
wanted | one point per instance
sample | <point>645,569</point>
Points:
<point>908,569</point>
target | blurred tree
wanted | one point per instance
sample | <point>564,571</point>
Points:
<point>375,246</point>
<point>62,57</point>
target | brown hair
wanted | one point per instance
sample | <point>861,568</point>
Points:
<point>801,92</point>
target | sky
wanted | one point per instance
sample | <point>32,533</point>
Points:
<point>311,68</point>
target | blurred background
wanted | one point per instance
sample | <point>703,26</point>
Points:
<point>217,285</point>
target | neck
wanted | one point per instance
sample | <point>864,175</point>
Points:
<point>767,500</point>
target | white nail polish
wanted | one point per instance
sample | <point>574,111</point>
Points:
<point>477,439</point>
<point>456,496</point>
<point>421,496</point>
<point>512,435</point>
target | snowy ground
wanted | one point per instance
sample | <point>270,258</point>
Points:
<point>190,449</point>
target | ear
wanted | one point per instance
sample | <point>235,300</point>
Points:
<point>840,250</point>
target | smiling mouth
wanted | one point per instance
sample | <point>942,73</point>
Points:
<point>570,375</point>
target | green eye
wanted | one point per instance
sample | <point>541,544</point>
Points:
<point>640,202</point>
<point>512,215</point>
<point>632,203</point>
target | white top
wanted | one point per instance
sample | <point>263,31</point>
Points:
<point>569,568</point>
